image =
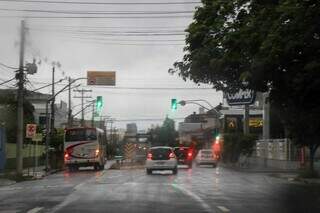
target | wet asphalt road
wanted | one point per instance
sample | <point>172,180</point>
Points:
<point>202,189</point>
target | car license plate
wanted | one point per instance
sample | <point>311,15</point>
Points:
<point>159,163</point>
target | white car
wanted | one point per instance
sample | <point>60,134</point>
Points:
<point>161,158</point>
<point>206,157</point>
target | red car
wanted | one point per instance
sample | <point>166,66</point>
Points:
<point>184,155</point>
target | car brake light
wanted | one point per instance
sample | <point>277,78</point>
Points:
<point>66,156</point>
<point>149,157</point>
<point>189,154</point>
<point>171,155</point>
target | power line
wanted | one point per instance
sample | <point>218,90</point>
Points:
<point>7,81</point>
<point>133,44</point>
<point>145,119</point>
<point>95,17</point>
<point>87,12</point>
<point>9,67</point>
<point>106,27</point>
<point>106,31</point>
<point>103,3</point>
<point>154,88</point>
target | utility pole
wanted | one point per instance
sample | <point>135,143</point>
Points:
<point>20,77</point>
<point>92,119</point>
<point>69,110</point>
<point>82,92</point>
<point>246,118</point>
<point>52,102</point>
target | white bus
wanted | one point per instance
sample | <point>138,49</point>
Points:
<point>84,147</point>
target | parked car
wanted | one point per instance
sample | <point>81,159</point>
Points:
<point>184,155</point>
<point>206,157</point>
<point>161,158</point>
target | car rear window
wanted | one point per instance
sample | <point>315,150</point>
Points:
<point>206,152</point>
<point>160,153</point>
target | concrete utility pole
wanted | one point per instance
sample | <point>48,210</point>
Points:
<point>82,92</point>
<point>52,102</point>
<point>246,118</point>
<point>20,77</point>
<point>266,116</point>
<point>69,104</point>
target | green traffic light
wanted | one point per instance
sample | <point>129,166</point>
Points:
<point>99,102</point>
<point>174,104</point>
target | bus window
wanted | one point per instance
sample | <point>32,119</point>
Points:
<point>80,135</point>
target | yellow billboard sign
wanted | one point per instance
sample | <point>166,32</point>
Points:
<point>103,78</point>
<point>255,122</point>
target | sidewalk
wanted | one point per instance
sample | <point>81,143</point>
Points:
<point>256,169</point>
<point>29,173</point>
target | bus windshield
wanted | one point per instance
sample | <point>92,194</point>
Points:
<point>80,135</point>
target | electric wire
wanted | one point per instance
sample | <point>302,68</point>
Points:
<point>7,81</point>
<point>104,3</point>
<point>74,12</point>
<point>9,67</point>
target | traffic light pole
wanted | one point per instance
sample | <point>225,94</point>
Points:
<point>92,119</point>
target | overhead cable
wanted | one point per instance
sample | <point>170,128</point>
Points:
<point>104,3</point>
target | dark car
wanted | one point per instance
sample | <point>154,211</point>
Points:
<point>184,155</point>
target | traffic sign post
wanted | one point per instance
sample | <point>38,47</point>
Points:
<point>31,130</point>
<point>36,138</point>
<point>242,97</point>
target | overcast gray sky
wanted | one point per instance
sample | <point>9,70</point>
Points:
<point>140,50</point>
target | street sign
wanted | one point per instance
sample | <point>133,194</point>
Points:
<point>242,97</point>
<point>101,78</point>
<point>256,122</point>
<point>37,137</point>
<point>129,151</point>
<point>31,130</point>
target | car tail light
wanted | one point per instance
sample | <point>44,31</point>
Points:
<point>171,155</point>
<point>97,152</point>
<point>189,154</point>
<point>66,156</point>
<point>149,156</point>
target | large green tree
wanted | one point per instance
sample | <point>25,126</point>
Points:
<point>8,114</point>
<point>165,135</point>
<point>273,45</point>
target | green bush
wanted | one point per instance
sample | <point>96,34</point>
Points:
<point>236,144</point>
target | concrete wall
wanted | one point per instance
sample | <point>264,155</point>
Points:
<point>271,163</point>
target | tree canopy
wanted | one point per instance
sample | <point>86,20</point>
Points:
<point>165,135</point>
<point>273,45</point>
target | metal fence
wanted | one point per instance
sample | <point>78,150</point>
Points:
<point>276,149</point>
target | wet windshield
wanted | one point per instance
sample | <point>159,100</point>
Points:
<point>80,135</point>
<point>160,106</point>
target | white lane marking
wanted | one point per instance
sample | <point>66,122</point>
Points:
<point>203,204</point>
<point>224,209</point>
<point>35,210</point>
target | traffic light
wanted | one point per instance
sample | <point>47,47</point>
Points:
<point>174,104</point>
<point>215,134</point>
<point>99,104</point>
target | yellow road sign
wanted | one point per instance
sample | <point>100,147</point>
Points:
<point>105,78</point>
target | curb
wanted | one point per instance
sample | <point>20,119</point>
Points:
<point>258,170</point>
